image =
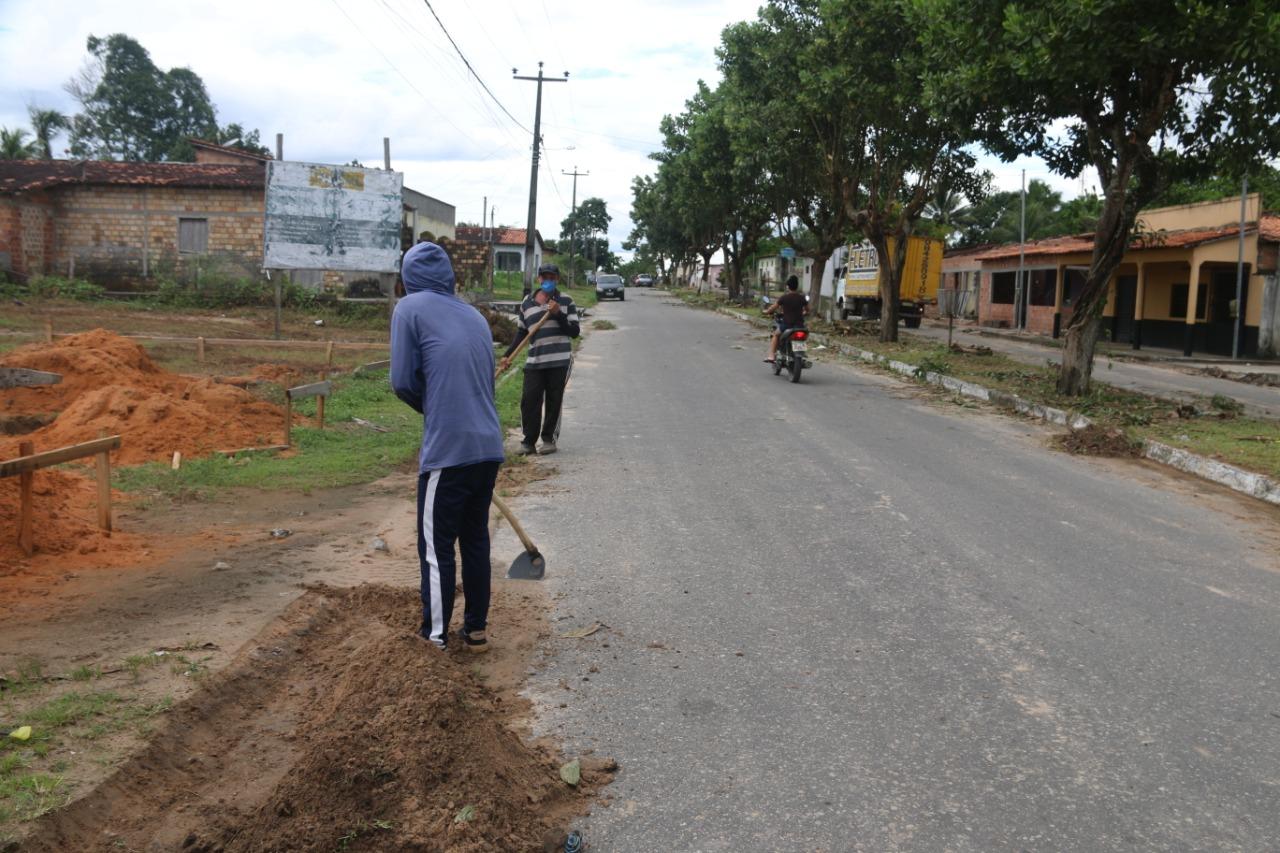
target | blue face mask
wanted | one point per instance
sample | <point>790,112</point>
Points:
<point>548,286</point>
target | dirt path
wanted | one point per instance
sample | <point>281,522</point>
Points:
<point>284,693</point>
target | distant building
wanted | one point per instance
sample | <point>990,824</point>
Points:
<point>1175,286</point>
<point>508,246</point>
<point>422,213</point>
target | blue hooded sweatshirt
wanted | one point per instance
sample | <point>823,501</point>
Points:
<point>442,365</point>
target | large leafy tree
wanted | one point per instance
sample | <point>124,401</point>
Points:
<point>904,151</point>
<point>789,108</point>
<point>1146,95</point>
<point>133,110</point>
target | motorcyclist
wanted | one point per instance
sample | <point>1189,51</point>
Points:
<point>794,308</point>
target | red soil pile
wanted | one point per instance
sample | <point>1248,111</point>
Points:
<point>64,523</point>
<point>111,386</point>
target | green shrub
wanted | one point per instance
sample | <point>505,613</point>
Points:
<point>57,287</point>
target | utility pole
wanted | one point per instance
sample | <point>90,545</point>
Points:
<point>533,173</point>
<point>573,212</point>
<point>493,259</point>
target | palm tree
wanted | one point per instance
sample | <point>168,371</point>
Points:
<point>46,124</point>
<point>13,144</point>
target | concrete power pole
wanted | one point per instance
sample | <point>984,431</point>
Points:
<point>573,233</point>
<point>533,173</point>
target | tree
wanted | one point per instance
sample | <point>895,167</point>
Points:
<point>235,136</point>
<point>132,110</point>
<point>904,150</point>
<point>13,144</point>
<point>1145,96</point>
<point>46,124</point>
<point>790,108</point>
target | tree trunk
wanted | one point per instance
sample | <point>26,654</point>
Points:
<point>1110,241</point>
<point>890,264</point>
<point>820,259</point>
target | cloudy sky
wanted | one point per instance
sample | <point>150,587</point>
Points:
<point>336,76</point>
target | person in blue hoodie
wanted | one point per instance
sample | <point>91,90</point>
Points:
<point>442,365</point>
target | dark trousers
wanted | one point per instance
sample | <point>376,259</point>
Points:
<point>453,506</point>
<point>539,386</point>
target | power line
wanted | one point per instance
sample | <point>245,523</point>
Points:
<point>472,70</point>
<point>403,76</point>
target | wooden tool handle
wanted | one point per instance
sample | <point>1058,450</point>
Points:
<point>515,525</point>
<point>515,352</point>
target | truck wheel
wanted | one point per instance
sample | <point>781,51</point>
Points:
<point>912,322</point>
<point>844,313</point>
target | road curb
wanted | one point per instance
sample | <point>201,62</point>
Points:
<point>1248,483</point>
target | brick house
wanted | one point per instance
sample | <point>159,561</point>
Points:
<point>1175,286</point>
<point>122,223</point>
<point>508,245</point>
<point>113,221</point>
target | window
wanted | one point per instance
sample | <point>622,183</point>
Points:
<point>1003,285</point>
<point>1073,285</point>
<point>1043,285</point>
<point>1178,295</point>
<point>508,261</point>
<point>193,236</point>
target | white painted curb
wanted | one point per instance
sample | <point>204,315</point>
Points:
<point>1246,482</point>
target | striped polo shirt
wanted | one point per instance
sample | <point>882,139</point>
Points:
<point>552,346</point>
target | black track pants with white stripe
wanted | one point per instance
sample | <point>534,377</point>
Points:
<point>453,507</point>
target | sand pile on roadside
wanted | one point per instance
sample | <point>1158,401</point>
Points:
<point>336,728</point>
<point>111,386</point>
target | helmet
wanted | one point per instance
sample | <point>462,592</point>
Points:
<point>549,269</point>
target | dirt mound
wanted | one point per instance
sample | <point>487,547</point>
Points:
<point>338,728</point>
<point>1095,440</point>
<point>86,361</point>
<point>111,386</point>
<point>64,521</point>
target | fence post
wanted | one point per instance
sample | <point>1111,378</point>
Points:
<point>48,331</point>
<point>25,480</point>
<point>104,491</point>
<point>200,350</point>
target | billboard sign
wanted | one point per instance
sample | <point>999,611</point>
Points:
<point>321,217</point>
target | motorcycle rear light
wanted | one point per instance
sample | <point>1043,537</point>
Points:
<point>800,336</point>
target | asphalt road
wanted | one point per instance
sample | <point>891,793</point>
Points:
<point>1172,380</point>
<point>842,616</point>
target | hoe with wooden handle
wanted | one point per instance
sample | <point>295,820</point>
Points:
<point>531,565</point>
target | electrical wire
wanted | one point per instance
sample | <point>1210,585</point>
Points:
<point>467,63</point>
<point>403,76</point>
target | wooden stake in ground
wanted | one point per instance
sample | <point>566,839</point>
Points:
<point>200,350</point>
<point>48,331</point>
<point>324,374</point>
<point>25,481</point>
<point>301,392</point>
<point>104,491</point>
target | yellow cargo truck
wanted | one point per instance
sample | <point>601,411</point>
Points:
<point>919,287</point>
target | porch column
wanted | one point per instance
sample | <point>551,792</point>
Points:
<point>1139,299</point>
<point>1058,290</point>
<point>1193,299</point>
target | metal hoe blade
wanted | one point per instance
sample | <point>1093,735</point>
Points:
<point>529,566</point>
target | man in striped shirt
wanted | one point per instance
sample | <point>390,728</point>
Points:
<point>546,370</point>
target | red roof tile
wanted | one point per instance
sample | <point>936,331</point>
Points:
<point>22,175</point>
<point>501,236</point>
<point>1182,239</point>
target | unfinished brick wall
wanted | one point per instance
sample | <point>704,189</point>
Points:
<point>26,234</point>
<point>470,264</point>
<point>104,232</point>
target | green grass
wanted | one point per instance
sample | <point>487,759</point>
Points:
<point>603,325</point>
<point>32,772</point>
<point>342,454</point>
